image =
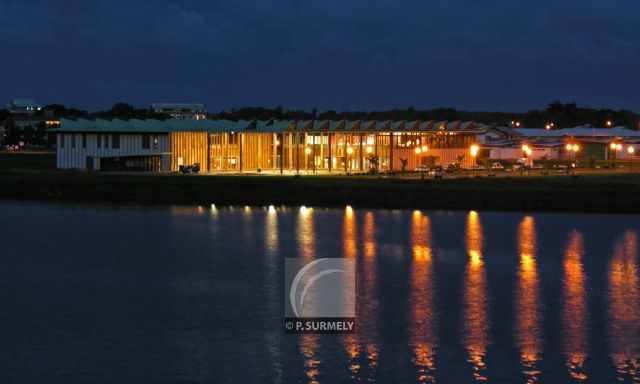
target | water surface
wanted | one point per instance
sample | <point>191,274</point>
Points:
<point>195,294</point>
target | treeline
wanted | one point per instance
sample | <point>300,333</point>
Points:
<point>118,111</point>
<point>562,115</point>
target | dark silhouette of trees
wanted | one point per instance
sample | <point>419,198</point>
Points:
<point>562,115</point>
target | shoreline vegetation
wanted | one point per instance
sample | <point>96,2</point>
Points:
<point>31,177</point>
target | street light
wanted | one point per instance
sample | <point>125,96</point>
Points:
<point>527,152</point>
<point>369,150</point>
<point>609,123</point>
<point>614,147</point>
<point>474,153</point>
<point>418,150</point>
<point>631,151</point>
<point>349,152</point>
<point>307,151</point>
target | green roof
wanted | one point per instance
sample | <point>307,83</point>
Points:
<point>261,126</point>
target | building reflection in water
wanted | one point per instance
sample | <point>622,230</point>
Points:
<point>624,308</point>
<point>476,319</point>
<point>361,348</point>
<point>574,312</point>
<point>271,244</point>
<point>306,234</point>
<point>309,343</point>
<point>422,308</point>
<point>349,235</point>
<point>271,232</point>
<point>528,306</point>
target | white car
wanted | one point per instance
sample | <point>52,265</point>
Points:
<point>497,167</point>
<point>518,166</point>
<point>422,168</point>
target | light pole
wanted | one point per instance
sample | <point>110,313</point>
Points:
<point>307,151</point>
<point>613,147</point>
<point>631,151</point>
<point>349,152</point>
<point>575,149</point>
<point>474,153</point>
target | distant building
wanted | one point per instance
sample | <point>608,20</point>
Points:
<point>26,124</point>
<point>180,111</point>
<point>260,145</point>
<point>23,106</point>
<point>506,142</point>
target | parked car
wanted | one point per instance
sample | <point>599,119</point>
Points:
<point>572,165</point>
<point>518,166</point>
<point>497,167</point>
<point>450,168</point>
<point>475,167</point>
<point>194,168</point>
<point>537,166</point>
<point>422,168</point>
<point>436,172</point>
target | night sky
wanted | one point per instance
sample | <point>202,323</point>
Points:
<point>345,55</point>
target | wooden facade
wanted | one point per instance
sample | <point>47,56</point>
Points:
<point>187,148</point>
<point>263,146</point>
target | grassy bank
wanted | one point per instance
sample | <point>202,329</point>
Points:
<point>32,178</point>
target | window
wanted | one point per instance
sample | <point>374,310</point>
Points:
<point>73,141</point>
<point>84,140</point>
<point>99,141</point>
<point>106,141</point>
<point>155,141</point>
<point>145,141</point>
<point>61,140</point>
<point>115,141</point>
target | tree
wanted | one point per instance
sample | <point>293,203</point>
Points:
<point>545,161</point>
<point>459,161</point>
<point>122,110</point>
<point>431,161</point>
<point>374,161</point>
<point>486,163</point>
<point>403,163</point>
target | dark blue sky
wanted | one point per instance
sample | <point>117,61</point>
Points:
<point>362,54</point>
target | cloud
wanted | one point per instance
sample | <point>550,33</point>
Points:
<point>330,54</point>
